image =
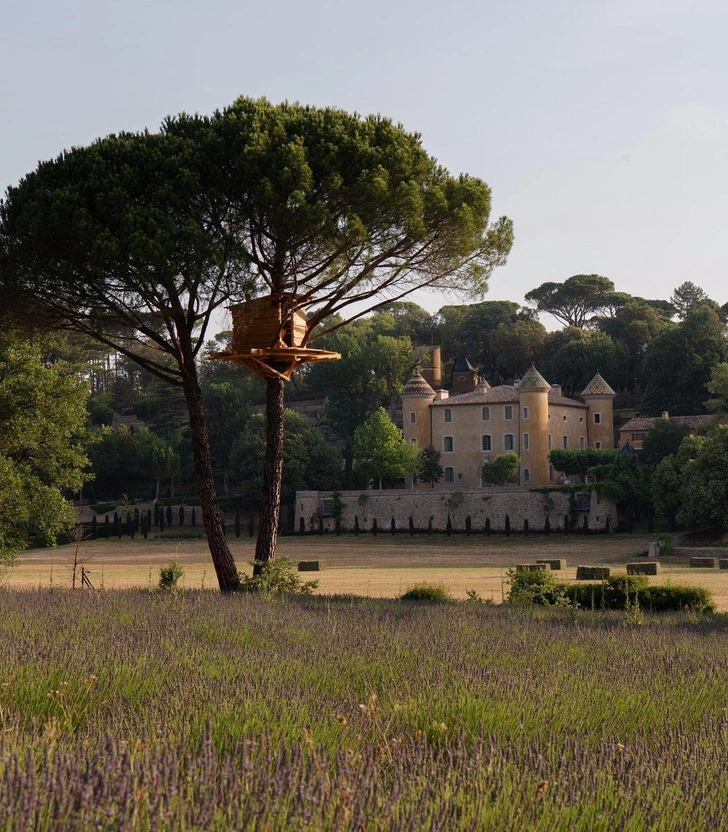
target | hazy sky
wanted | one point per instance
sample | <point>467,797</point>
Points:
<point>602,127</point>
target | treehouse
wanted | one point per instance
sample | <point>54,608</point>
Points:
<point>269,337</point>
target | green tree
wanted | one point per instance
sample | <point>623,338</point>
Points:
<point>687,296</point>
<point>575,301</point>
<point>42,418</point>
<point>579,463</point>
<point>502,470</point>
<point>227,411</point>
<point>704,489</point>
<point>429,468</point>
<point>677,364</point>
<point>380,451</point>
<point>662,439</point>
<point>309,462</point>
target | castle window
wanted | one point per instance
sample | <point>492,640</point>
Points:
<point>563,417</point>
<point>582,443</point>
<point>413,418</point>
<point>597,445</point>
<point>485,442</point>
<point>566,441</point>
<point>551,472</point>
<point>508,443</point>
<point>449,474</point>
<point>413,442</point>
<point>526,475</point>
<point>448,444</point>
<point>581,420</point>
<point>485,414</point>
<point>597,418</point>
<point>550,442</point>
<point>447,415</point>
<point>508,411</point>
<point>525,441</point>
<point>525,413</point>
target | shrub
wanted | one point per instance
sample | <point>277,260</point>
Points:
<point>427,592</point>
<point>536,588</point>
<point>102,508</point>
<point>619,591</point>
<point>277,576</point>
<point>169,575</point>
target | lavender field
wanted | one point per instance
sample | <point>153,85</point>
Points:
<point>140,710</point>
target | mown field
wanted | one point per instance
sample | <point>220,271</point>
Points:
<point>382,566</point>
<point>148,710</point>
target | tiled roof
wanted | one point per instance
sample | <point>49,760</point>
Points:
<point>598,387</point>
<point>501,394</point>
<point>644,423</point>
<point>555,398</point>
<point>417,386</point>
<point>533,379</point>
<point>462,365</point>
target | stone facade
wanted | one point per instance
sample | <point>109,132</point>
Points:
<point>528,418</point>
<point>423,503</point>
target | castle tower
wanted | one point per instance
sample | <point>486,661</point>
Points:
<point>432,374</point>
<point>464,377</point>
<point>533,403</point>
<point>417,397</point>
<point>599,398</point>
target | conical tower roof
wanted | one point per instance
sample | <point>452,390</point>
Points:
<point>598,387</point>
<point>417,386</point>
<point>533,380</point>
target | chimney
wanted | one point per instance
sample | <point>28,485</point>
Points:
<point>665,414</point>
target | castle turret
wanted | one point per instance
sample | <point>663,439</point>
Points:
<point>417,397</point>
<point>464,377</point>
<point>533,401</point>
<point>599,398</point>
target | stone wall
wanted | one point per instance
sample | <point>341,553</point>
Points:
<point>481,504</point>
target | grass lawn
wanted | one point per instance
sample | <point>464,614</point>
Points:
<point>383,566</point>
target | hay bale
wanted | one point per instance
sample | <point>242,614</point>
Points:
<point>532,567</point>
<point>723,563</point>
<point>592,573</point>
<point>703,563</point>
<point>556,565</point>
<point>652,568</point>
<point>311,565</point>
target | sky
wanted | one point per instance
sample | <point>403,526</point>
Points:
<point>601,127</point>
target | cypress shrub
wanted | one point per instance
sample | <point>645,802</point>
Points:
<point>411,526</point>
<point>193,518</point>
<point>429,526</point>
<point>356,525</point>
<point>468,525</point>
<point>161,521</point>
<point>237,524</point>
<point>301,525</point>
<point>94,528</point>
<point>181,514</point>
<point>487,526</point>
<point>525,527</point>
<point>585,525</point>
<point>107,526</point>
<point>169,515</point>
<point>392,526</point>
<point>251,526</point>
<point>547,526</point>
<point>156,514</point>
<point>508,525</point>
<point>337,526</point>
<point>375,528</point>
<point>321,525</point>
<point>566,524</point>
<point>448,528</point>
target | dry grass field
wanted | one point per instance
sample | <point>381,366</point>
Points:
<point>382,566</point>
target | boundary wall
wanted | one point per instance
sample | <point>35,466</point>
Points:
<point>481,504</point>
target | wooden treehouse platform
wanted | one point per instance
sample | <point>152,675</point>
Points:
<point>269,337</point>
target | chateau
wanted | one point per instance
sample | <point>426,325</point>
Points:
<point>478,422</point>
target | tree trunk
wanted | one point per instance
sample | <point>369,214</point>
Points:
<point>265,547</point>
<point>227,574</point>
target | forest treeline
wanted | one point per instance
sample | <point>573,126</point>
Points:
<point>658,355</point>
